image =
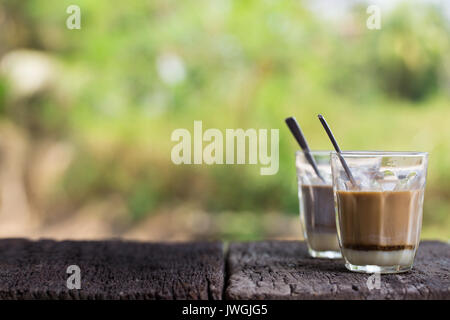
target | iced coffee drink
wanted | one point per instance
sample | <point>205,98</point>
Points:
<point>380,215</point>
<point>317,212</point>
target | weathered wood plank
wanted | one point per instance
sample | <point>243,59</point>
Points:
<point>111,270</point>
<point>283,270</point>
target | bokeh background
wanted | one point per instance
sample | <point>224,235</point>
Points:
<point>86,115</point>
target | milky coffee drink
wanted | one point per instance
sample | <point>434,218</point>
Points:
<point>380,227</point>
<point>319,217</point>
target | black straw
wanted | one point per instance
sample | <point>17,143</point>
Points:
<point>338,150</point>
<point>298,135</point>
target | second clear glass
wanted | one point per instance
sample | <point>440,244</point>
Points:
<point>317,213</point>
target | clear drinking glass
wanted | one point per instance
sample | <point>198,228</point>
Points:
<point>317,213</point>
<point>379,217</point>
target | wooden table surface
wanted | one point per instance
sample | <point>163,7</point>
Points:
<point>283,270</point>
<point>111,270</point>
<point>255,270</point>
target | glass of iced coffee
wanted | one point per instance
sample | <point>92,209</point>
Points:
<point>317,213</point>
<point>379,213</point>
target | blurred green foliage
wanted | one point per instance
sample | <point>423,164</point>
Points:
<point>238,64</point>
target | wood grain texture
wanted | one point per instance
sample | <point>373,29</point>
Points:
<point>111,270</point>
<point>283,270</point>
